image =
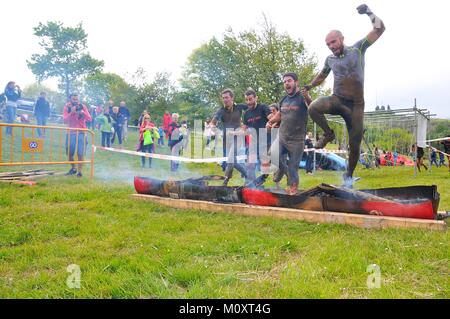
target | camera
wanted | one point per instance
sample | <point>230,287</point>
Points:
<point>79,110</point>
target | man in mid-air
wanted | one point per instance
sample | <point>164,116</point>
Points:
<point>347,64</point>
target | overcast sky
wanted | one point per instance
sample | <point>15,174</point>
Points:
<point>409,61</point>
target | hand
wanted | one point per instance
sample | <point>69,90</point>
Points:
<point>363,9</point>
<point>304,91</point>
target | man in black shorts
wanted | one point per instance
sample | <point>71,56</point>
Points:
<point>417,150</point>
<point>347,64</point>
<point>255,120</point>
<point>293,116</point>
<point>230,116</point>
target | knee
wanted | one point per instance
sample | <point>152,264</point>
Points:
<point>317,105</point>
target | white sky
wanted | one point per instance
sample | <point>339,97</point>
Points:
<point>409,61</point>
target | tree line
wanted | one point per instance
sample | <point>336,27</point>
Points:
<point>253,58</point>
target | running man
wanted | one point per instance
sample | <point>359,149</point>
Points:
<point>293,117</point>
<point>347,64</point>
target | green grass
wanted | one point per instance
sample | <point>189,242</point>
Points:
<point>133,249</point>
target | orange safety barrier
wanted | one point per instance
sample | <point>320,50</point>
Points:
<point>45,150</point>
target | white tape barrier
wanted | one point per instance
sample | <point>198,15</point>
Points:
<point>191,160</point>
<point>323,150</point>
<point>169,157</point>
<point>438,139</point>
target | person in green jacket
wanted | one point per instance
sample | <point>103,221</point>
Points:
<point>105,122</point>
<point>148,135</point>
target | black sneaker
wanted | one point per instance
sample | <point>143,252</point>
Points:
<point>79,174</point>
<point>72,171</point>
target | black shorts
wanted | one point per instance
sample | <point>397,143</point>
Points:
<point>420,152</point>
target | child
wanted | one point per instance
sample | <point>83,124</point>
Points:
<point>148,134</point>
<point>161,136</point>
<point>105,123</point>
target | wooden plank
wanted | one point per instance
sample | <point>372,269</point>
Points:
<point>363,221</point>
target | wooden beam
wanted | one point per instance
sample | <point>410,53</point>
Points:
<point>359,220</point>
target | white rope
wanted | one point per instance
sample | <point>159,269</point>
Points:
<point>193,160</point>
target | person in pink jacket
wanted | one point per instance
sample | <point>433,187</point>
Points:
<point>76,115</point>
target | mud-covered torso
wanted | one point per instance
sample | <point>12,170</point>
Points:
<point>294,116</point>
<point>348,70</point>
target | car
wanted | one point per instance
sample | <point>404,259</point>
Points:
<point>25,104</point>
<point>326,161</point>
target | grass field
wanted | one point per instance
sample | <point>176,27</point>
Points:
<point>133,249</point>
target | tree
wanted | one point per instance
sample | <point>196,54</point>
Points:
<point>100,87</point>
<point>64,56</point>
<point>155,96</point>
<point>249,59</point>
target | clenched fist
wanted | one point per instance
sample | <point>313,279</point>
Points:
<point>363,9</point>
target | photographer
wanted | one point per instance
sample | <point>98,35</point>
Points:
<point>76,115</point>
<point>12,94</point>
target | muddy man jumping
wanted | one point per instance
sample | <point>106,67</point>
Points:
<point>347,64</point>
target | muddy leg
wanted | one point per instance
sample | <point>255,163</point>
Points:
<point>355,136</point>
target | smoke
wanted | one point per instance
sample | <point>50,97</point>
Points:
<point>119,167</point>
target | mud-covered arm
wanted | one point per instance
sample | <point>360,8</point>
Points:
<point>378,25</point>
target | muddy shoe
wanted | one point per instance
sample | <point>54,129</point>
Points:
<point>292,190</point>
<point>277,176</point>
<point>324,140</point>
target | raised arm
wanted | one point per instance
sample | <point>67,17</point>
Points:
<point>378,25</point>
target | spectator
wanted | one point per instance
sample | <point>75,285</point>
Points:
<point>12,94</point>
<point>90,125</point>
<point>441,159</point>
<point>141,117</point>
<point>76,115</point>
<point>118,125</point>
<point>377,157</point>
<point>310,154</point>
<point>395,155</point>
<point>105,124</point>
<point>433,158</point>
<point>110,106</point>
<point>148,134</point>
<point>184,132</point>
<point>167,119</point>
<point>446,144</point>
<point>274,108</point>
<point>161,136</point>
<point>207,132</point>
<point>174,140</point>
<point>126,116</point>
<point>41,112</point>
<point>364,160</point>
<point>99,109</point>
